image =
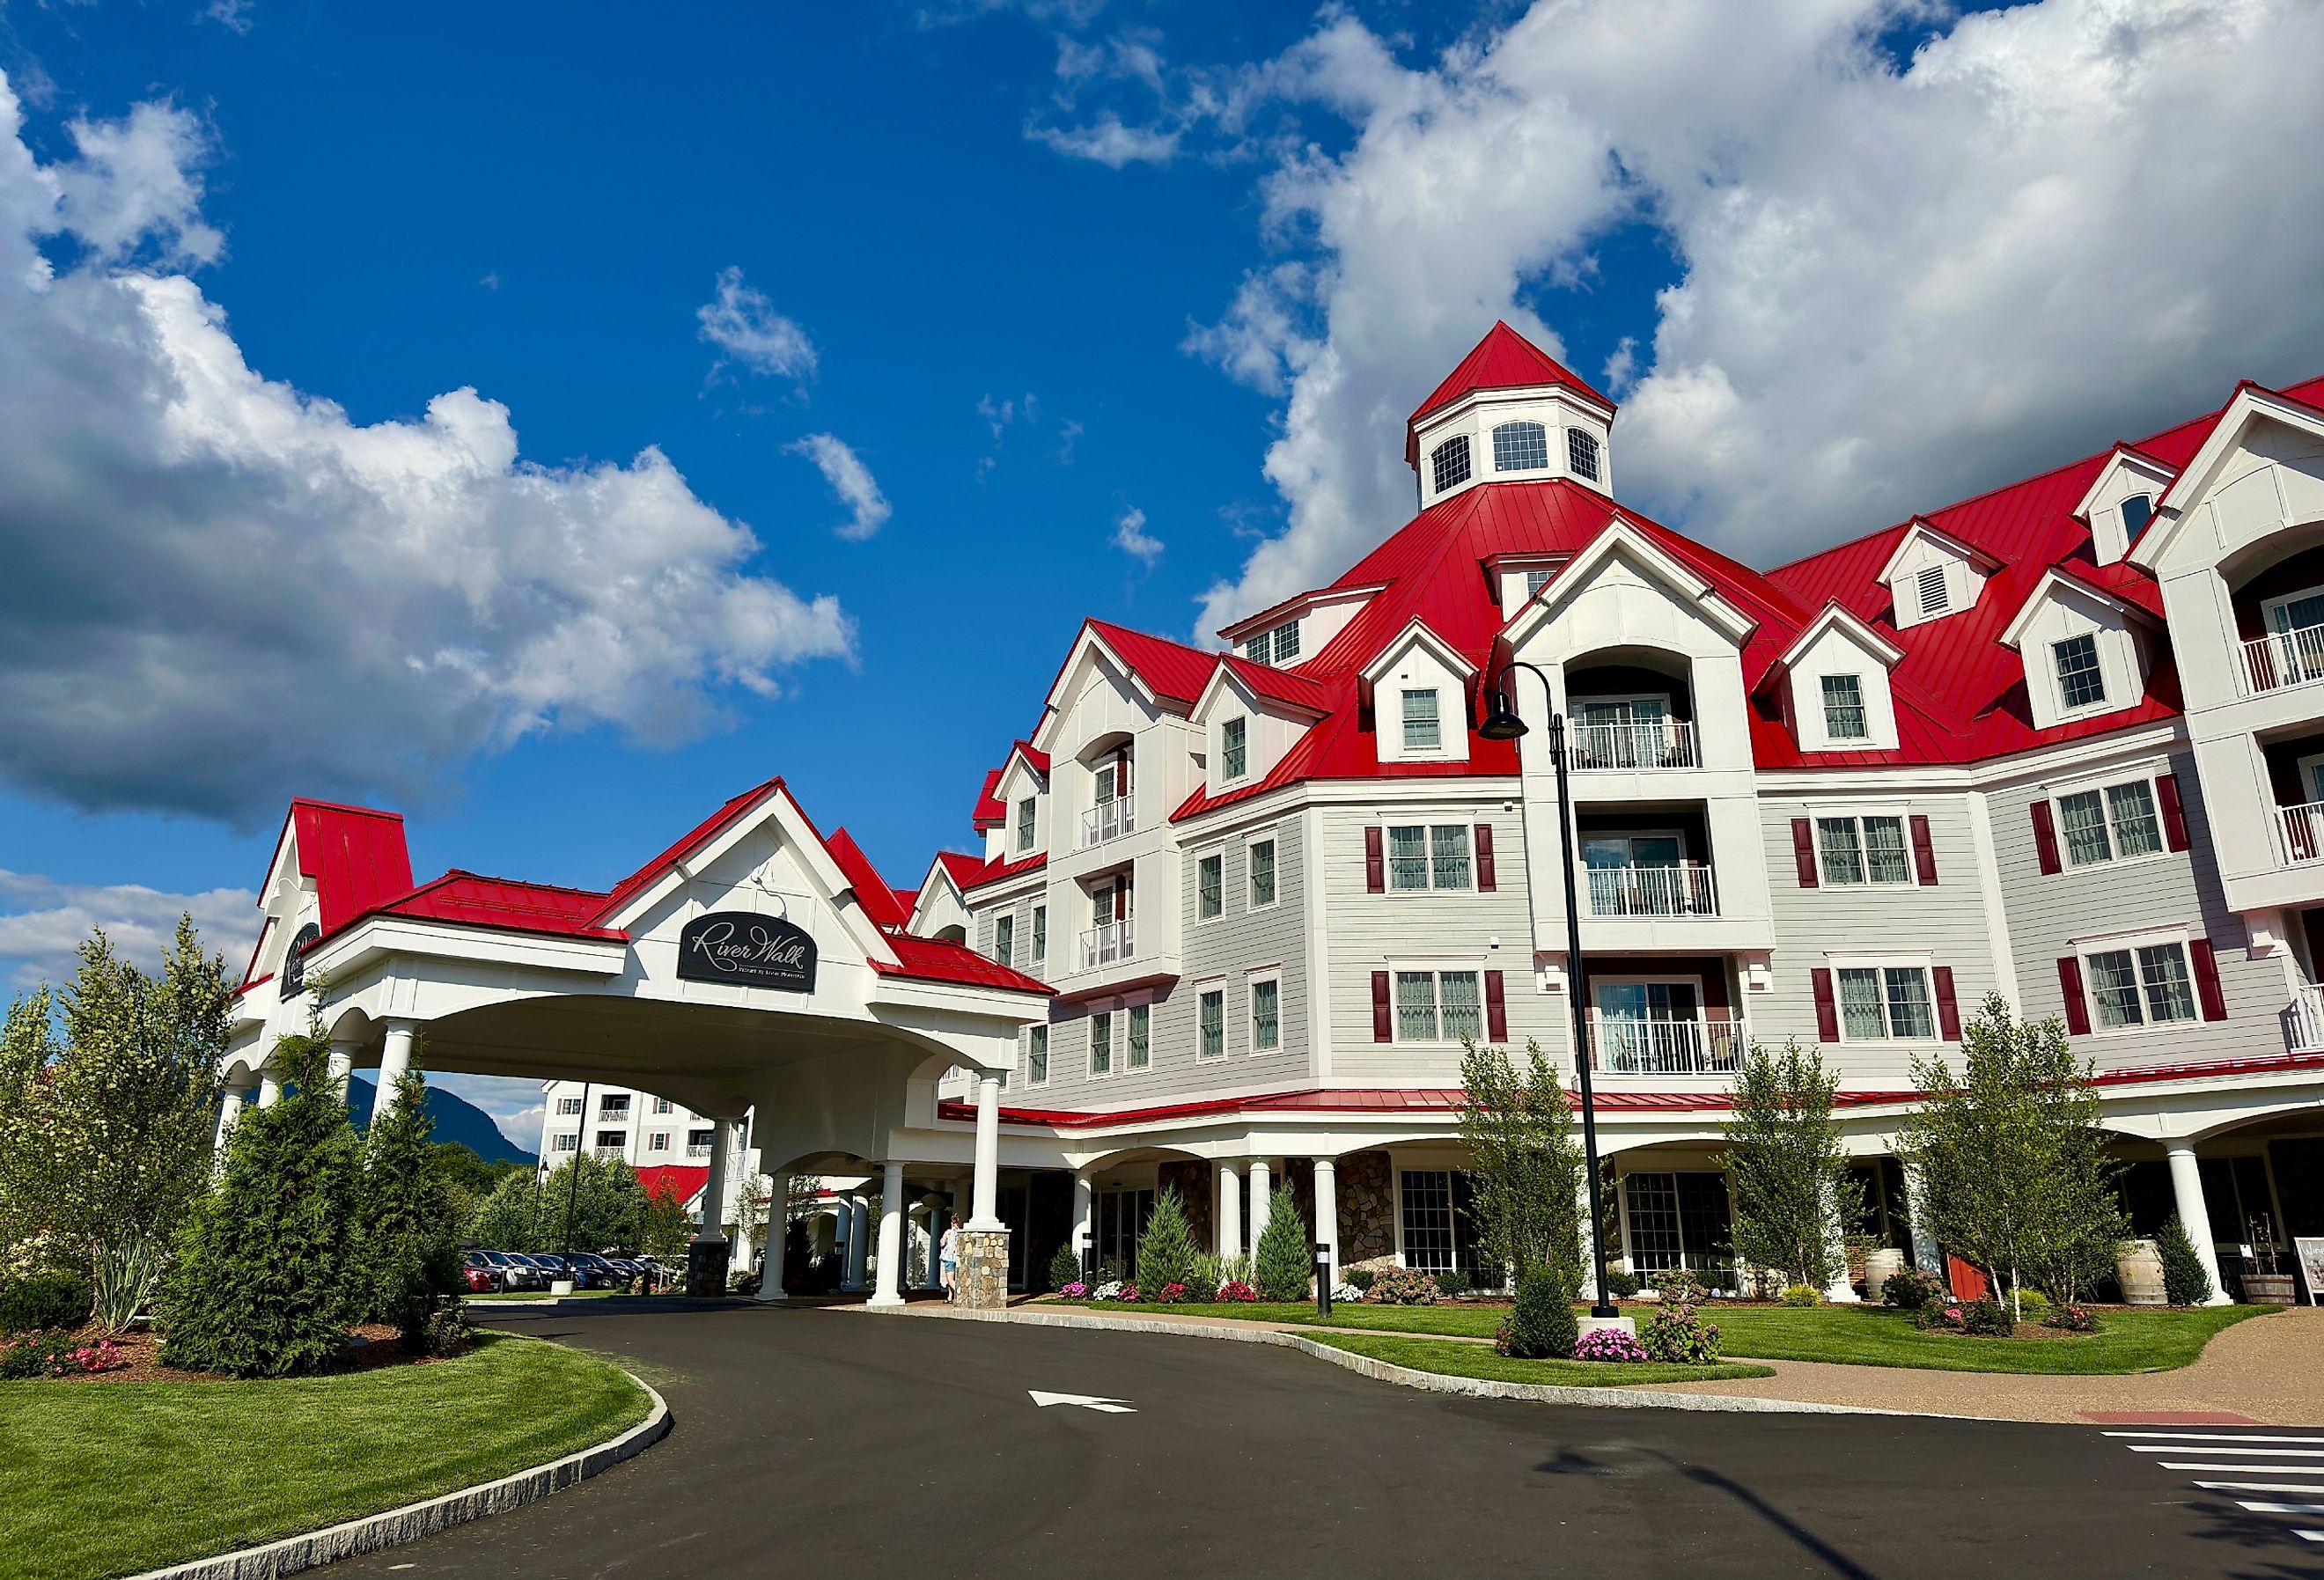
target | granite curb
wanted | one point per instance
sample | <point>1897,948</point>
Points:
<point>391,1528</point>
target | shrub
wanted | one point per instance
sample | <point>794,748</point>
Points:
<point>1359,1278</point>
<point>1235,1291</point>
<point>2033,1306</point>
<point>2073,1317</point>
<point>1607,1343</point>
<point>443,1332</point>
<point>1543,1326</point>
<point>1911,1289</point>
<point>1401,1285</point>
<point>1678,1335</point>
<point>1065,1267</point>
<point>1284,1268</point>
<point>1981,1318</point>
<point>1167,1250</point>
<point>1799,1296</point>
<point>53,1299</point>
<point>1623,1286</point>
<point>1453,1285</point>
<point>2185,1280</point>
<point>1172,1295</point>
<point>39,1354</point>
<point>1679,1286</point>
<point>1107,1290</point>
<point>1127,1294</point>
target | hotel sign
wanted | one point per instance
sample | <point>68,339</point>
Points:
<point>754,951</point>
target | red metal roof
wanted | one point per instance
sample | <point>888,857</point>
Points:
<point>1172,668</point>
<point>994,871</point>
<point>963,867</point>
<point>990,812</point>
<point>880,900</point>
<point>356,856</point>
<point>1504,360</point>
<point>941,962</point>
<point>680,1182</point>
<point>476,900</point>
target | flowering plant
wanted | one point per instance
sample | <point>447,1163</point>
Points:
<point>1401,1285</point>
<point>104,1356</point>
<point>1108,1290</point>
<point>1235,1289</point>
<point>2073,1317</point>
<point>1076,1291</point>
<point>1172,1293</point>
<point>1607,1343</point>
<point>1678,1335</point>
<point>1127,1294</point>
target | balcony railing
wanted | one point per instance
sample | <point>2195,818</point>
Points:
<point>1108,820</point>
<point>1685,890</point>
<point>1711,1043</point>
<point>1663,744</point>
<point>698,1154</point>
<point>2303,832</point>
<point>2284,658</point>
<point>1102,946</point>
<point>2303,1019</point>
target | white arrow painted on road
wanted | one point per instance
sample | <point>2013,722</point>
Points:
<point>1088,1401</point>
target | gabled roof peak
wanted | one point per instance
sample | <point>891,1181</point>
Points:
<point>1504,359</point>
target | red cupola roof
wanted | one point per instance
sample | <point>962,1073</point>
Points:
<point>1504,360</point>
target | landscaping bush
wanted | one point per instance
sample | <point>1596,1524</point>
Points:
<point>39,1354</point>
<point>443,1331</point>
<point>1359,1278</point>
<point>2033,1306</point>
<point>1284,1266</point>
<point>1679,1286</point>
<point>1678,1336</point>
<point>1401,1285</point>
<point>404,1261</point>
<point>1981,1318</point>
<point>1073,1289</point>
<point>1525,1163</point>
<point>1065,1267</point>
<point>1173,1295</point>
<point>1542,1327</point>
<point>1607,1343</point>
<point>2071,1318</point>
<point>1236,1292</point>
<point>1167,1250</point>
<point>53,1299</point>
<point>1453,1285</point>
<point>1623,1286</point>
<point>1800,1295</point>
<point>1911,1289</point>
<point>2185,1281</point>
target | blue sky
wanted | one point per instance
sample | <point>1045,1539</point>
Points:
<point>1038,268</point>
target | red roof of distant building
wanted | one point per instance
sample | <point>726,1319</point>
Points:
<point>1504,360</point>
<point>680,1182</point>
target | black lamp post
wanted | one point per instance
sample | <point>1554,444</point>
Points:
<point>1502,723</point>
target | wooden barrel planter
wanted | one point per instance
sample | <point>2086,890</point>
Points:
<point>2140,1269</point>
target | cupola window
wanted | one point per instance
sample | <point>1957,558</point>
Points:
<point>1450,464</point>
<point>1582,453</point>
<point>1520,446</point>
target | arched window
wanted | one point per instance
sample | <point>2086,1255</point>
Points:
<point>1582,453</point>
<point>1450,464</point>
<point>2137,511</point>
<point>1520,446</point>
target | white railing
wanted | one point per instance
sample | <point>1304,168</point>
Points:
<point>1685,890</point>
<point>1711,1043</point>
<point>1102,946</point>
<point>2284,658</point>
<point>1108,820</point>
<point>1659,743</point>
<point>698,1154</point>
<point>2303,1019</point>
<point>2302,828</point>
<point>609,1154</point>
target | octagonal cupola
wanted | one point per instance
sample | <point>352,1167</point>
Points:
<point>1510,413</point>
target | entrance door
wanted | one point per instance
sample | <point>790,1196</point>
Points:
<point>1122,1217</point>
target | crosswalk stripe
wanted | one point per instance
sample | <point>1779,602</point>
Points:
<point>2224,1436</point>
<point>2217,1448</point>
<point>2310,1535</point>
<point>2280,1508</point>
<point>2246,1466</point>
<point>2261,1486</point>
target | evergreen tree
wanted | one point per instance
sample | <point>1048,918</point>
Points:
<point>260,1286</point>
<point>1525,1165</point>
<point>1789,1167</point>
<point>405,1258</point>
<point>2185,1280</point>
<point>1167,1251</point>
<point>1543,1326</point>
<point>1282,1263</point>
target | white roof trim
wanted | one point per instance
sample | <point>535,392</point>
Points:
<point>1834,617</point>
<point>1257,701</point>
<point>2251,404</point>
<point>2056,583</point>
<point>1617,536</point>
<point>1919,528</point>
<point>1299,607</point>
<point>1417,631</point>
<point>2122,458</point>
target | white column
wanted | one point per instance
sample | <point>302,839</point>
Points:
<point>859,1239</point>
<point>889,1291</point>
<point>1327,1214</point>
<point>1260,1194</point>
<point>394,1059</point>
<point>986,1210</point>
<point>2187,1185</point>
<point>343,1060</point>
<point>714,1190</point>
<point>1589,1290</point>
<point>269,1089</point>
<point>1926,1257</point>
<point>1840,1291</point>
<point>229,1110</point>
<point>770,1264</point>
<point>1085,1206</point>
<point>1229,1212</point>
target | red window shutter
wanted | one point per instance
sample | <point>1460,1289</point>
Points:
<point>1375,865</point>
<point>1497,1009</point>
<point>1827,1010</point>
<point>1948,1006</point>
<point>1924,853</point>
<point>2077,1006</point>
<point>1383,1017</point>
<point>2174,811</point>
<point>2046,836</point>
<point>1485,861</point>
<point>1804,855</point>
<point>2205,964</point>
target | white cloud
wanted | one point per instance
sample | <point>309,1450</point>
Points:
<point>222,591</point>
<point>43,920</point>
<point>852,480</point>
<point>1902,281</point>
<point>1131,536</point>
<point>1108,142</point>
<point>233,15</point>
<point>743,323</point>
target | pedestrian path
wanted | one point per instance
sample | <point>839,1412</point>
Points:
<point>2276,1474</point>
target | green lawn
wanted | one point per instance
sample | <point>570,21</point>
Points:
<point>112,1478</point>
<point>1455,1359</point>
<point>1859,1335</point>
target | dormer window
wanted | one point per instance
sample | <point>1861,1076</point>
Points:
<point>1843,708</point>
<point>1423,731</point>
<point>1520,446</point>
<point>1582,453</point>
<point>1234,752</point>
<point>1449,464</point>
<point>1277,645</point>
<point>2136,511</point>
<point>1536,581</point>
<point>1930,585</point>
<point>1027,809</point>
<point>2081,682</point>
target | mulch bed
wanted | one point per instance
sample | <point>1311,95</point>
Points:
<point>142,1351</point>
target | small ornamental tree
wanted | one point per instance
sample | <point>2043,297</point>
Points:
<point>508,1216</point>
<point>667,1228</point>
<point>1065,1267</point>
<point>261,1282</point>
<point>405,1261</point>
<point>1167,1251</point>
<point>1282,1264</point>
<point>1543,1326</point>
<point>2185,1279</point>
<point>1789,1169</point>
<point>1525,1167</point>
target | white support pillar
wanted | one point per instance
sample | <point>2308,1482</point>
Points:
<point>229,1110</point>
<point>269,1089</point>
<point>1229,1212</point>
<point>770,1264</point>
<point>859,1240</point>
<point>1261,1193</point>
<point>1840,1291</point>
<point>1085,1209</point>
<point>1926,1257</point>
<point>1589,1290</point>
<point>891,1289</point>
<point>394,1059</point>
<point>2187,1185</point>
<point>1327,1214</point>
<point>343,1060</point>
<point>985,1212</point>
<point>714,1190</point>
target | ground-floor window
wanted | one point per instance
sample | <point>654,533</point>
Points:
<point>1122,1217</point>
<point>1440,1227</point>
<point>1680,1220</point>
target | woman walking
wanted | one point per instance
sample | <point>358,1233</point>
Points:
<point>948,1257</point>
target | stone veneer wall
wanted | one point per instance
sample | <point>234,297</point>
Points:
<point>1367,1192</point>
<point>1196,1182</point>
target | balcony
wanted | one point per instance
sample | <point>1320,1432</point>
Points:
<point>1108,820</point>
<point>1644,746</point>
<point>1711,1043</point>
<point>1104,946</point>
<point>2301,829</point>
<point>2282,659</point>
<point>2303,1019</point>
<point>1684,889</point>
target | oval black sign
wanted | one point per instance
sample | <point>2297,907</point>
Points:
<point>759,951</point>
<point>294,960</point>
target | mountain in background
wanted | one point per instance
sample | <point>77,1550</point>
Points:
<point>456,1120</point>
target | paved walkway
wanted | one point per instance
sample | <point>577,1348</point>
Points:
<point>2268,1370</point>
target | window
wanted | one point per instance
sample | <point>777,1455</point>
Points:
<point>1141,1020</point>
<point>1037,1056</point>
<point>1520,446</point>
<point>697,1142</point>
<point>2117,823</point>
<point>1932,590</point>
<point>1209,886</point>
<point>569,1105</point>
<point>1040,934</point>
<point>1450,464</point>
<point>1211,1023</point>
<point>1102,1043</point>
<point>1582,453</point>
<point>1260,859</point>
<point>1025,809</point>
<point>2146,983</point>
<point>611,1139</point>
<point>1004,940</point>
<point>1257,648</point>
<point>1862,850</point>
<point>1266,1014</point>
<point>1843,708</point>
<point>2079,681</point>
<point>1885,1002</point>
<point>1680,1220</point>
<point>567,1139</point>
<point>659,1142</point>
<point>2136,511</point>
<point>1536,581</point>
<point>1286,641</point>
<point>613,1106</point>
<point>1234,754</point>
<point>664,1105</point>
<point>1428,856</point>
<point>1438,1006</point>
<point>1420,729</point>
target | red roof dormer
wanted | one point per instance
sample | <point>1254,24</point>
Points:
<point>1504,360</point>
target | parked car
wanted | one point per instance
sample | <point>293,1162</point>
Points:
<point>514,1275</point>
<point>534,1266</point>
<point>600,1273</point>
<point>552,1267</point>
<point>476,1264</point>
